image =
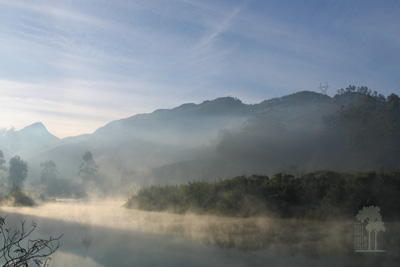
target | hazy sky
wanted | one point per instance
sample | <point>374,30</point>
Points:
<point>77,64</point>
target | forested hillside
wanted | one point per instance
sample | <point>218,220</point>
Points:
<point>356,130</point>
<point>316,195</point>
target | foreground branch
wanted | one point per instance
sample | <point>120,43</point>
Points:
<point>19,249</point>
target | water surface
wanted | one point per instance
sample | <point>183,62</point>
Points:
<point>104,233</point>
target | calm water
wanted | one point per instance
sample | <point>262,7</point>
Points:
<point>106,234</point>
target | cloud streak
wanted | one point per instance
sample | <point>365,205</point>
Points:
<point>56,13</point>
<point>71,108</point>
<point>217,30</point>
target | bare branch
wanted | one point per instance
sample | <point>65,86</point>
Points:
<point>20,250</point>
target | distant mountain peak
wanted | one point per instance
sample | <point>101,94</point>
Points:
<point>37,129</point>
<point>226,99</point>
<point>298,98</point>
<point>186,106</point>
<point>36,125</point>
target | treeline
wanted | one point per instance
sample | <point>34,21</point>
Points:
<point>12,181</point>
<point>356,130</point>
<point>317,195</point>
<point>369,127</point>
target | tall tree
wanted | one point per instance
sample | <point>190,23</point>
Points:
<point>88,169</point>
<point>49,172</point>
<point>17,172</point>
<point>3,169</point>
<point>2,161</point>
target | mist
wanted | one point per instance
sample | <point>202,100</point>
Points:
<point>103,233</point>
<point>224,138</point>
<point>83,195</point>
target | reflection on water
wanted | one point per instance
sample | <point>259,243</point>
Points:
<point>106,234</point>
<point>64,259</point>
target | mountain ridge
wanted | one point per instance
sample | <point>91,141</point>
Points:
<point>225,137</point>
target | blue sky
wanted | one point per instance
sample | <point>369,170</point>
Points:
<point>77,65</point>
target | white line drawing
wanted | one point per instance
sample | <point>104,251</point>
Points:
<point>372,216</point>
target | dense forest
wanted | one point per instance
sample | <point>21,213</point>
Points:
<point>317,195</point>
<point>356,130</point>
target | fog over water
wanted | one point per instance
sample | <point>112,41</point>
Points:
<point>194,133</point>
<point>107,234</point>
<point>210,141</point>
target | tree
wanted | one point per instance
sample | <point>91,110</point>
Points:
<point>372,216</point>
<point>340,91</point>
<point>392,98</point>
<point>49,172</point>
<point>18,249</point>
<point>17,172</point>
<point>3,169</point>
<point>377,226</point>
<point>2,161</point>
<point>88,169</point>
<point>363,90</point>
<point>351,88</point>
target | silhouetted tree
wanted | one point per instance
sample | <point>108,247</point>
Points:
<point>340,91</point>
<point>49,172</point>
<point>17,172</point>
<point>351,88</point>
<point>3,169</point>
<point>18,249</point>
<point>392,98</point>
<point>2,161</point>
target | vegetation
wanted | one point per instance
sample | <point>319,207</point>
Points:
<point>12,181</point>
<point>370,128</point>
<point>17,172</point>
<point>88,169</point>
<point>355,130</point>
<point>49,172</point>
<point>19,198</point>
<point>12,184</point>
<point>319,195</point>
<point>19,249</point>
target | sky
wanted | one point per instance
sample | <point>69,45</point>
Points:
<point>76,65</point>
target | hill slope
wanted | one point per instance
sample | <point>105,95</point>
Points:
<point>28,141</point>
<point>225,137</point>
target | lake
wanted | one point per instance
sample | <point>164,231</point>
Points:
<point>104,233</point>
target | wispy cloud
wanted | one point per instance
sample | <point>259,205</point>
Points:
<point>81,106</point>
<point>119,58</point>
<point>61,118</point>
<point>47,9</point>
<point>64,117</point>
<point>63,34</point>
<point>217,30</point>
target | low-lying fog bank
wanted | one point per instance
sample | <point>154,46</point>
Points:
<point>107,234</point>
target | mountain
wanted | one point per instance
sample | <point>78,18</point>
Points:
<point>189,123</point>
<point>133,146</point>
<point>305,131</point>
<point>268,140</point>
<point>225,137</point>
<point>31,140</point>
<point>137,145</point>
